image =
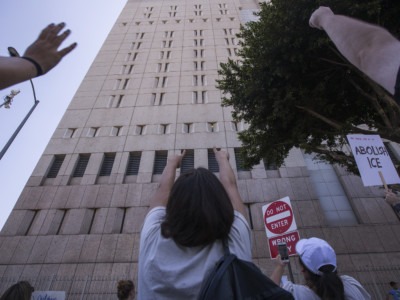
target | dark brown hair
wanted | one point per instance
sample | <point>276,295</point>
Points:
<point>199,210</point>
<point>328,286</point>
<point>124,288</point>
<point>20,291</point>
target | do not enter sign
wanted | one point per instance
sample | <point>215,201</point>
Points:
<point>278,217</point>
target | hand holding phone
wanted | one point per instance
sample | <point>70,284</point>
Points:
<point>283,252</point>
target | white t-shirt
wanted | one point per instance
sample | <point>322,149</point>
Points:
<point>353,290</point>
<point>170,271</point>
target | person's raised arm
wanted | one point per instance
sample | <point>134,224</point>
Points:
<point>276,275</point>
<point>39,58</point>
<point>228,180</point>
<point>371,48</point>
<point>166,182</point>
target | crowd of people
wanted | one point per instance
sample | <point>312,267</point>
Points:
<point>182,234</point>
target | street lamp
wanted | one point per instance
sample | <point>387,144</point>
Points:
<point>14,52</point>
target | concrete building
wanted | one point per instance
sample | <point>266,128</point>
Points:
<point>150,93</point>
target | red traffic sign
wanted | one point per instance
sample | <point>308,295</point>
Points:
<point>290,239</point>
<point>278,217</point>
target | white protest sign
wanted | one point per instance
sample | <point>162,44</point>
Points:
<point>372,157</point>
<point>48,295</point>
<point>278,217</point>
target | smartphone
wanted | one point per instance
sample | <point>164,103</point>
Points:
<point>283,251</point>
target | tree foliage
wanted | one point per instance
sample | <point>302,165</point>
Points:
<point>295,89</point>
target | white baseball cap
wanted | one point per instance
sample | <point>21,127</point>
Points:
<point>315,253</point>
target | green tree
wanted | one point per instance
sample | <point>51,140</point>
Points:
<point>295,89</point>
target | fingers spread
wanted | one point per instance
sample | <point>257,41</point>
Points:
<point>58,28</point>
<point>67,50</point>
<point>46,31</point>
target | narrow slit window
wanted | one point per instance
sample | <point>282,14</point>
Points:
<point>194,97</point>
<point>133,163</point>
<point>140,129</point>
<point>81,165</point>
<point>203,80</point>
<point>204,97</point>
<point>120,98</point>
<point>187,162</point>
<point>187,127</point>
<point>108,162</point>
<point>162,98</point>
<point>164,82</point>
<point>212,162</point>
<point>69,133</point>
<point>195,80</point>
<point>156,81</point>
<point>130,69</point>
<point>239,160</point>
<point>125,84</point>
<point>92,132</point>
<point>117,84</point>
<point>123,68</point>
<point>55,166</point>
<point>160,161</point>
<point>153,99</point>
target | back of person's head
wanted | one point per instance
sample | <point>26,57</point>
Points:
<point>199,210</point>
<point>320,271</point>
<point>126,288</point>
<point>393,284</point>
<point>20,291</point>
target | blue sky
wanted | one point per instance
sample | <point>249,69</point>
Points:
<point>20,23</point>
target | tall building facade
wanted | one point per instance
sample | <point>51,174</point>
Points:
<point>151,92</point>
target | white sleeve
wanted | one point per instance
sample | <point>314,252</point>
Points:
<point>152,223</point>
<point>240,237</point>
<point>353,290</point>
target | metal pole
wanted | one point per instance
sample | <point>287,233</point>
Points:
<point>18,130</point>
<point>290,272</point>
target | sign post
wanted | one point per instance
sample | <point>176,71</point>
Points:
<point>373,160</point>
<point>280,226</point>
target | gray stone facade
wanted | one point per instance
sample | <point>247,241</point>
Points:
<point>90,225</point>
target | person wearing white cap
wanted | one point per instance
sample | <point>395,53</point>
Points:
<point>318,266</point>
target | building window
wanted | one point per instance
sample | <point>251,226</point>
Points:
<point>69,133</point>
<point>162,98</point>
<point>140,129</point>
<point>212,126</point>
<point>204,97</point>
<point>270,167</point>
<point>160,161</point>
<point>195,80</point>
<point>156,81</point>
<point>239,160</point>
<point>187,162</point>
<point>92,131</point>
<point>212,162</point>
<point>26,224</point>
<point>135,56</point>
<point>203,80</point>
<point>81,165</point>
<point>333,200</point>
<point>187,127</point>
<point>116,131</point>
<point>133,163</point>
<point>125,85</point>
<point>58,221</point>
<point>153,99</point>
<point>107,164</point>
<point>195,97</point>
<point>55,166</point>
<point>163,129</point>
<point>117,84</point>
<point>164,82</point>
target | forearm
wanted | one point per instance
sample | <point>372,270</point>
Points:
<point>372,49</point>
<point>276,275</point>
<point>14,70</point>
<point>166,183</point>
<point>228,180</point>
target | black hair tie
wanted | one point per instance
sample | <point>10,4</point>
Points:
<point>37,66</point>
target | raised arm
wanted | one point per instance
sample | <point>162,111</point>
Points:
<point>228,180</point>
<point>276,275</point>
<point>167,180</point>
<point>371,48</point>
<point>39,58</point>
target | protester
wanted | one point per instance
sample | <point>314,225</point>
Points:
<point>182,232</point>
<point>39,58</point>
<point>318,266</point>
<point>371,48</point>
<point>20,291</point>
<point>392,199</point>
<point>395,292</point>
<point>126,290</point>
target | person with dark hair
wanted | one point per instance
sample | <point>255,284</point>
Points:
<point>126,290</point>
<point>20,291</point>
<point>395,292</point>
<point>318,266</point>
<point>181,238</point>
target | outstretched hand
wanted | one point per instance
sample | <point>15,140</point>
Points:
<point>279,263</point>
<point>44,49</point>
<point>220,155</point>
<point>175,160</point>
<point>319,15</point>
